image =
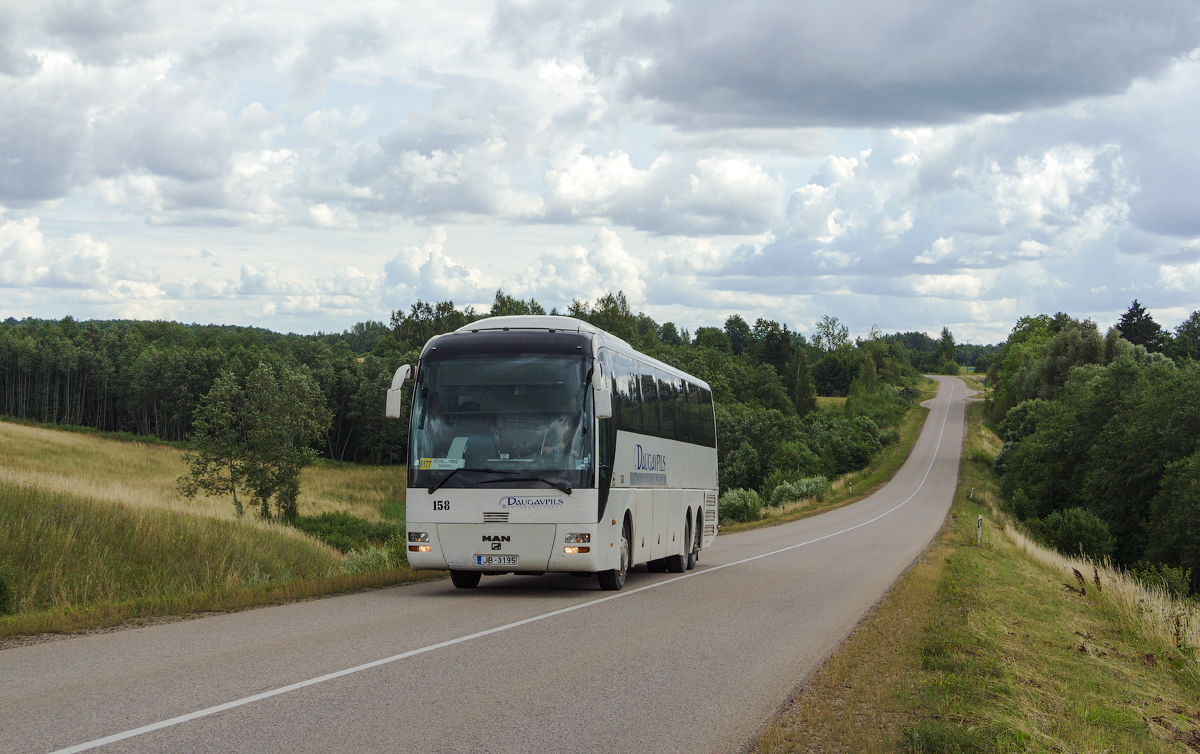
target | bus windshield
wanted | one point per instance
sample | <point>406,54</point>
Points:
<point>526,416</point>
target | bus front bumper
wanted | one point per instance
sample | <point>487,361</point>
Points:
<point>513,548</point>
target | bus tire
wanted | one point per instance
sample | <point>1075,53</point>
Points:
<point>694,555</point>
<point>613,579</point>
<point>465,579</point>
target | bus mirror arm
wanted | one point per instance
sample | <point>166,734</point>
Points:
<point>601,395</point>
<point>392,410</point>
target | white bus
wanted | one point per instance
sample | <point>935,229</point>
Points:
<point>543,444</point>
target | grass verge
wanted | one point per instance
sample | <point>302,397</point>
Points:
<point>1003,647</point>
<point>138,611</point>
<point>848,487</point>
<point>76,563</point>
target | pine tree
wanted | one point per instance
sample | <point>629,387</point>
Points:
<point>1139,328</point>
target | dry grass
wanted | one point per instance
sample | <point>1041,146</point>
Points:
<point>1005,647</point>
<point>144,475</point>
<point>1152,613</point>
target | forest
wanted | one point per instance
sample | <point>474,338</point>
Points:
<point>1102,439</point>
<point>149,378</point>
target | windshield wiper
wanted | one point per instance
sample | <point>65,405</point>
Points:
<point>556,484</point>
<point>560,486</point>
<point>434,487</point>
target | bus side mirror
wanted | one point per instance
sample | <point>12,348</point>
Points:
<point>392,411</point>
<point>601,393</point>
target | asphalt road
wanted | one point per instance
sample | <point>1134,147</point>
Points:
<point>696,662</point>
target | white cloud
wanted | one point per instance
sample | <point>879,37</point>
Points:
<point>1180,277</point>
<point>586,272</point>
<point>709,196</point>
<point>428,273</point>
<point>941,248</point>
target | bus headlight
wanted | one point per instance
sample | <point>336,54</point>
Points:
<point>418,536</point>
<point>578,538</point>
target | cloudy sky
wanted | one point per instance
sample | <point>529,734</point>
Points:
<point>303,165</point>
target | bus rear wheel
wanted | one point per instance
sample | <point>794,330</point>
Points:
<point>613,579</point>
<point>465,579</point>
<point>694,556</point>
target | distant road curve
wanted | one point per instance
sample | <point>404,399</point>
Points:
<point>697,662</point>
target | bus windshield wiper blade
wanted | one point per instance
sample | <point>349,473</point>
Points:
<point>437,485</point>
<point>434,487</point>
<point>556,484</point>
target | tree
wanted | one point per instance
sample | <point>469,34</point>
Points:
<point>830,334</point>
<point>1186,344</point>
<point>714,338</point>
<point>425,320</point>
<point>946,344</point>
<point>610,313</point>
<point>669,335</point>
<point>799,382</point>
<point>215,459</point>
<point>258,436</point>
<point>738,332</point>
<point>505,305</point>
<point>1140,329</point>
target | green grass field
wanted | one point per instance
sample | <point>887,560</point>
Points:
<point>94,532</point>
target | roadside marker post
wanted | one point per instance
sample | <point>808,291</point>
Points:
<point>979,532</point>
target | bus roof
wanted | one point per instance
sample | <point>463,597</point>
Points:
<point>532,322</point>
<point>570,324</point>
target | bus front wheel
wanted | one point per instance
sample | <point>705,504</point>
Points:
<point>465,579</point>
<point>613,579</point>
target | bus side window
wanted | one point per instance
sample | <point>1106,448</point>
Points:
<point>649,401</point>
<point>681,417</point>
<point>627,389</point>
<point>666,405</point>
<point>708,429</point>
<point>689,401</point>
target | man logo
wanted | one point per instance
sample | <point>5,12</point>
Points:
<point>496,538</point>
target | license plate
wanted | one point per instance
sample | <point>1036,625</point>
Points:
<point>496,560</point>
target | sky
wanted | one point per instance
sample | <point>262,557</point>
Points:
<point>303,166</point>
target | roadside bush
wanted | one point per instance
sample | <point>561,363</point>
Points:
<point>801,489</point>
<point>884,405</point>
<point>1176,581</point>
<point>390,555</point>
<point>1074,531</point>
<point>740,505</point>
<point>793,458</point>
<point>8,598</point>
<point>741,467</point>
<point>983,458</point>
<point>888,436</point>
<point>949,366</point>
<point>346,532</point>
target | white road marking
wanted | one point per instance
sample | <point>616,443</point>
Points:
<point>206,712</point>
